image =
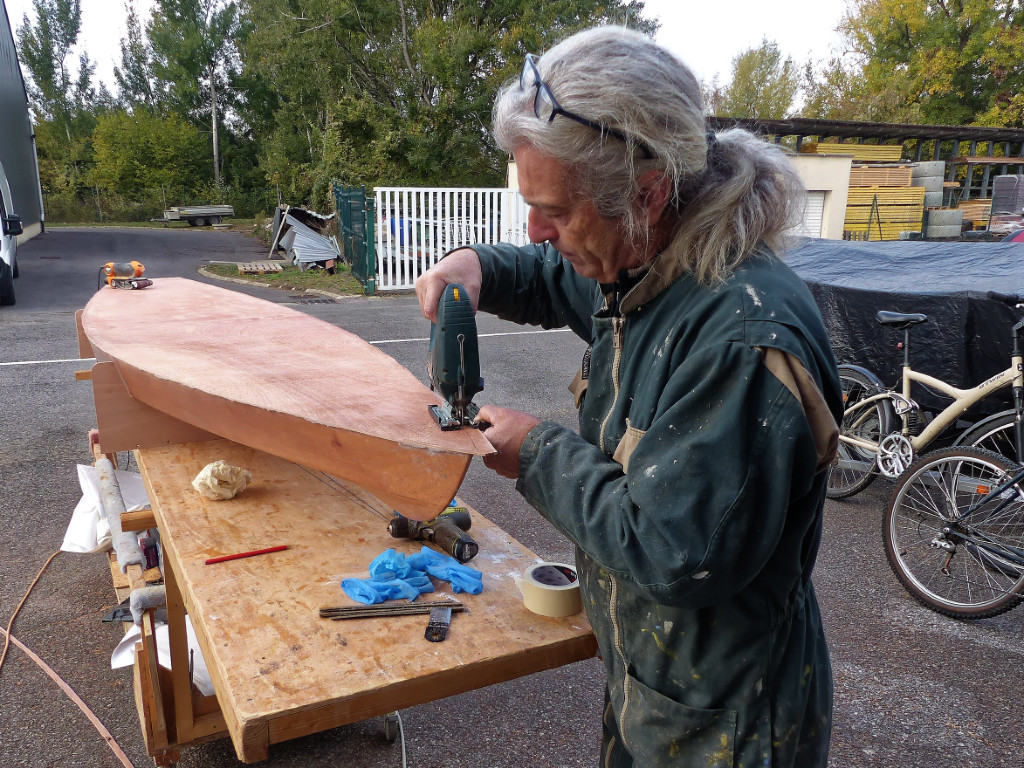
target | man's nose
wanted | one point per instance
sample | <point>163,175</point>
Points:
<point>540,228</point>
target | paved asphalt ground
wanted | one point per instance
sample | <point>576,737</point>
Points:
<point>913,689</point>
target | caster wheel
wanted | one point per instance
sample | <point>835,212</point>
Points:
<point>391,726</point>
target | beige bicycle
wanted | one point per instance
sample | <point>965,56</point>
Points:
<point>881,431</point>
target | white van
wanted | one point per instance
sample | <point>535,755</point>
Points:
<point>10,228</point>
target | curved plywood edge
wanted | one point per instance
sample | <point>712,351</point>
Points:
<point>281,381</point>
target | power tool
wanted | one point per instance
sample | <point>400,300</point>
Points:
<point>453,360</point>
<point>122,274</point>
<point>447,531</point>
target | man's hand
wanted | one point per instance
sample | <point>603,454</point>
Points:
<point>462,267</point>
<point>507,431</point>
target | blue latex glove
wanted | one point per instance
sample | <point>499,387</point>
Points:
<point>372,591</point>
<point>447,568</point>
<point>389,565</point>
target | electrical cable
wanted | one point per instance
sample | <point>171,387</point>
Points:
<point>68,690</point>
<point>401,735</point>
<point>338,485</point>
<point>10,624</point>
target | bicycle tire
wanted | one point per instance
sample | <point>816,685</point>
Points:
<point>996,433</point>
<point>856,468</point>
<point>969,582</point>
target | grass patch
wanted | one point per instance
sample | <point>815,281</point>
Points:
<point>290,278</point>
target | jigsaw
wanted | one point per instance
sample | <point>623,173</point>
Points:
<point>453,360</point>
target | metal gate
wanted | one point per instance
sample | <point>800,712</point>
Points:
<point>417,226</point>
<point>356,222</point>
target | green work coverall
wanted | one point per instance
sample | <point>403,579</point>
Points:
<point>694,494</point>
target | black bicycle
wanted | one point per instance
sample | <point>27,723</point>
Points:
<point>954,525</point>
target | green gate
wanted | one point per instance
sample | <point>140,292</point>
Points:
<point>355,225</point>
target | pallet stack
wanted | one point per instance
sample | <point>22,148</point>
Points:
<point>883,212</point>
<point>882,204</point>
<point>976,212</point>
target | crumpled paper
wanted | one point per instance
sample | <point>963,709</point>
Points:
<point>219,480</point>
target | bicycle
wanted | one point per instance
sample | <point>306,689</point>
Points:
<point>954,532</point>
<point>873,442</point>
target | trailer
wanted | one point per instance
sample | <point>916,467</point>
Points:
<point>199,215</point>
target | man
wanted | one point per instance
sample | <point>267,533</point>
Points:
<point>708,402</point>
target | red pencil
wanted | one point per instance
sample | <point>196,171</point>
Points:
<point>240,555</point>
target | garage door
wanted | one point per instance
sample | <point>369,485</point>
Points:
<point>813,214</point>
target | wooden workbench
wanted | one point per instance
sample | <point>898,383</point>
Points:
<point>279,670</point>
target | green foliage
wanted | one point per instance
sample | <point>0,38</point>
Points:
<point>194,60</point>
<point>303,91</point>
<point>763,85</point>
<point>136,151</point>
<point>953,62</point>
<point>44,49</point>
<point>398,93</point>
<point>134,76</point>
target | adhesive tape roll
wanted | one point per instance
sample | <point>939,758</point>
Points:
<point>551,589</point>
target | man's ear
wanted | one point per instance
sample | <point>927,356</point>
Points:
<point>655,194</point>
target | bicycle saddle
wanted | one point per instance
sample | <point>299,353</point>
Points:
<point>899,320</point>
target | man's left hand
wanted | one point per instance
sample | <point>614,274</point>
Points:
<point>507,431</point>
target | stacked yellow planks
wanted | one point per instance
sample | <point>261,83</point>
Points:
<point>976,212</point>
<point>881,202</point>
<point>880,176</point>
<point>865,153</point>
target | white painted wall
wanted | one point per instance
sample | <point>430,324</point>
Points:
<point>830,175</point>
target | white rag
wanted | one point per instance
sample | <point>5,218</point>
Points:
<point>88,531</point>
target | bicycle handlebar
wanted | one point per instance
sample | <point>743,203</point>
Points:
<point>1012,299</point>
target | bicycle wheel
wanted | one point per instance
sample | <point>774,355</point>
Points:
<point>969,569</point>
<point>855,469</point>
<point>994,434</point>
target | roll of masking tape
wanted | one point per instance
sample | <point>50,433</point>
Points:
<point>551,589</point>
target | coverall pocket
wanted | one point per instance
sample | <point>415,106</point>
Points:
<point>659,731</point>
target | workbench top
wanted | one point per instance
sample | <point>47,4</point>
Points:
<point>279,670</point>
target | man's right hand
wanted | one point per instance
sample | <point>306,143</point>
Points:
<point>461,266</point>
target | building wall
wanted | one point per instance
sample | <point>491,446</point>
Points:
<point>831,176</point>
<point>17,146</point>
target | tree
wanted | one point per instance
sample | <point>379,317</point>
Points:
<point>952,62</point>
<point>194,60</point>
<point>63,99</point>
<point>399,93</point>
<point>763,85</point>
<point>134,76</point>
<point>45,48</point>
<point>141,151</point>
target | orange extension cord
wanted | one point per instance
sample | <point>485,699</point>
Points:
<point>9,638</point>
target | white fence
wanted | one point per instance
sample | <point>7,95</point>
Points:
<point>417,226</point>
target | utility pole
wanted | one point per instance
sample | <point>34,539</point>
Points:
<point>213,112</point>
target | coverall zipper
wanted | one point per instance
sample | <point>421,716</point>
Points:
<point>613,613</point>
<point>617,333</point>
<point>613,596</point>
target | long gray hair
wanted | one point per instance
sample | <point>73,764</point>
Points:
<point>732,191</point>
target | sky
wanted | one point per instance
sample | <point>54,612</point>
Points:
<point>706,35</point>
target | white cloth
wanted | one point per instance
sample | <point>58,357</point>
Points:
<point>124,653</point>
<point>88,531</point>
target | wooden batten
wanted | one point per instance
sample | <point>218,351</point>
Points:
<point>84,347</point>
